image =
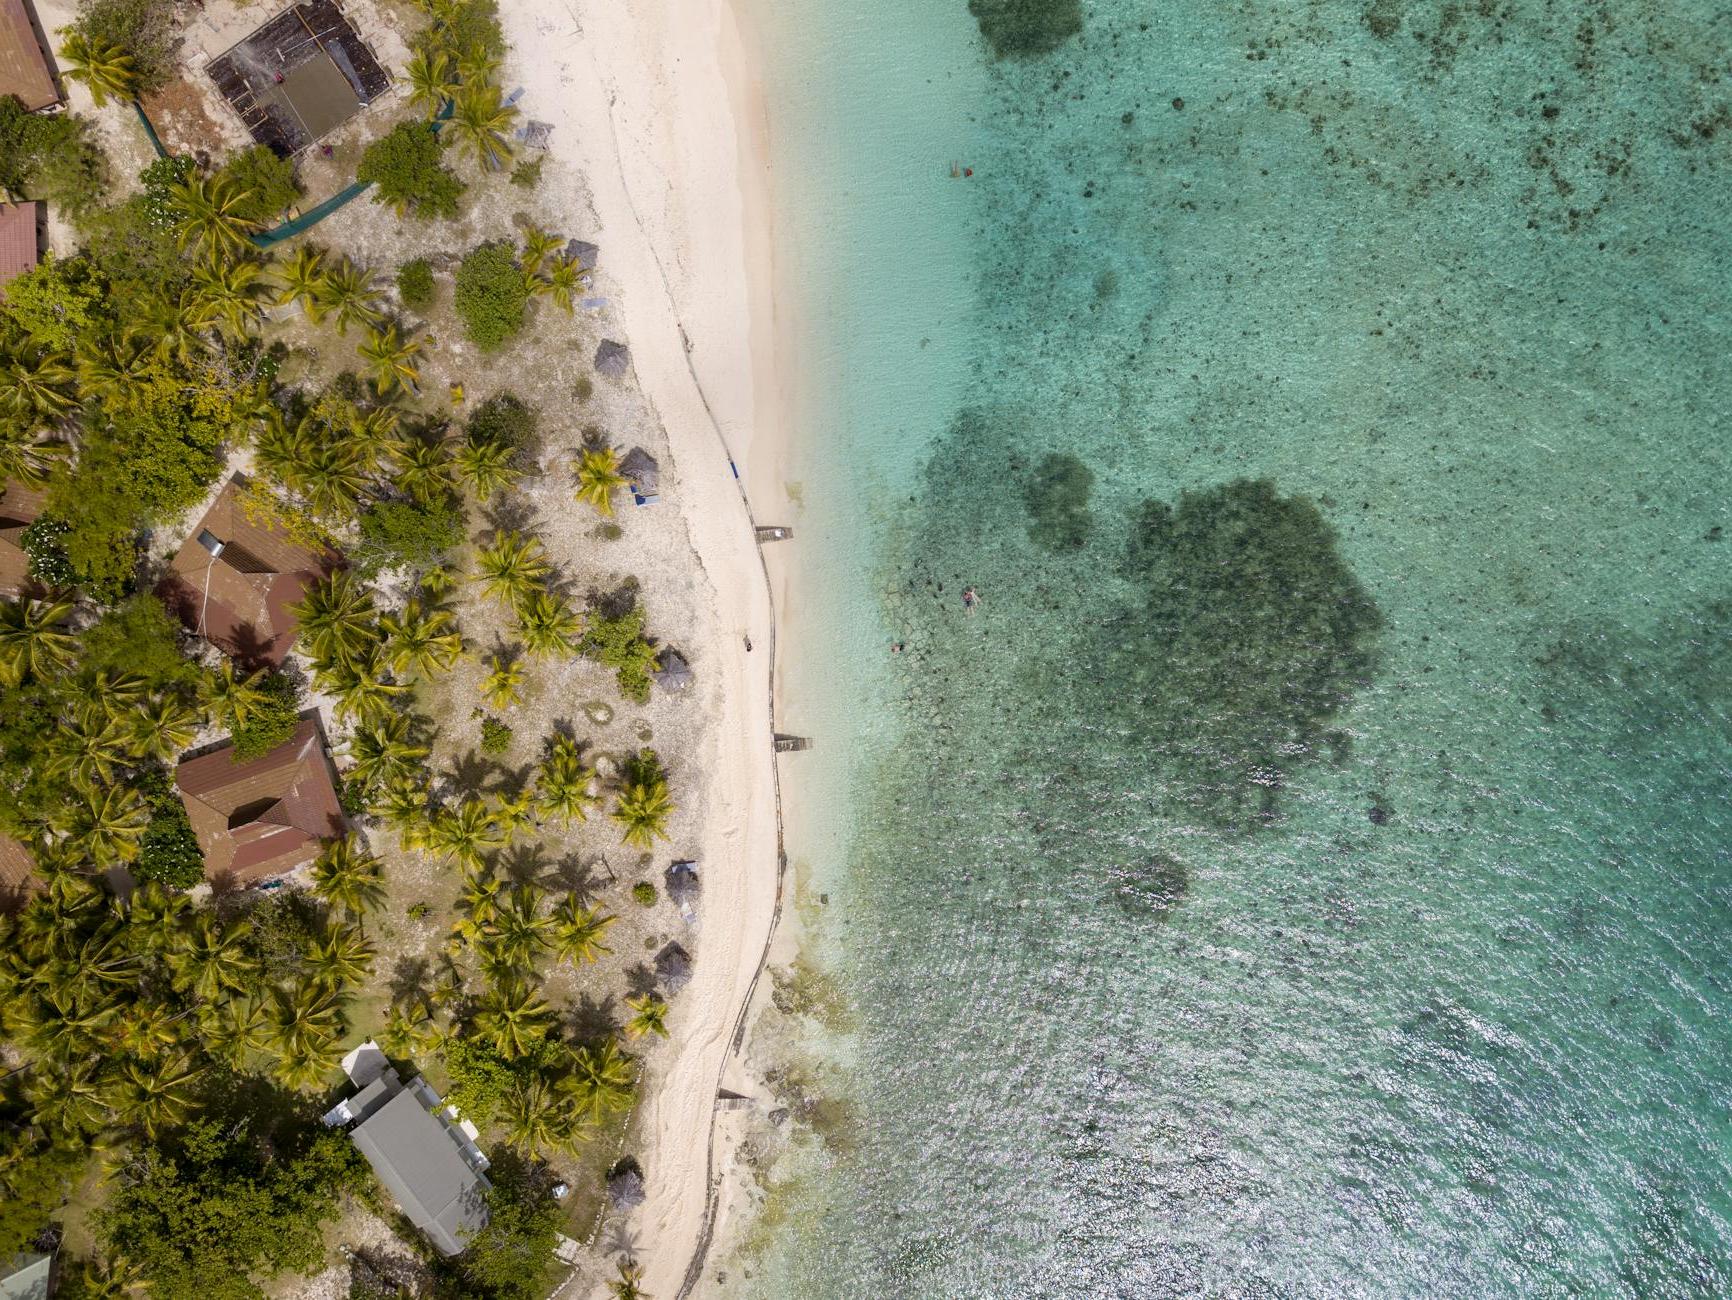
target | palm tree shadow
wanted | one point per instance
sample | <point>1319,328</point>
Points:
<point>471,771</point>
<point>512,781</point>
<point>621,1240</point>
<point>575,876</point>
<point>510,512</point>
<point>591,1021</point>
<point>528,864</point>
<point>641,980</point>
<point>412,984</point>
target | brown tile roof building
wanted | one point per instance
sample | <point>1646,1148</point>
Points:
<point>260,818</point>
<point>24,69</point>
<point>19,507</point>
<point>234,580</point>
<point>18,879</point>
<point>19,250</point>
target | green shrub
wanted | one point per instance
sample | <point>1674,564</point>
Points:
<point>169,854</point>
<point>270,183</point>
<point>273,721</point>
<point>619,643</point>
<point>507,1260</point>
<point>491,294</point>
<point>51,157</point>
<point>416,911</point>
<point>284,925</point>
<point>404,168</point>
<point>583,389</point>
<point>503,418</point>
<point>415,283</point>
<point>48,562</point>
<point>141,638</point>
<point>145,29</point>
<point>406,534</point>
<point>645,893</point>
<point>495,736</point>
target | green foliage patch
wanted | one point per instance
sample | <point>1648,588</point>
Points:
<point>273,720</point>
<point>52,157</point>
<point>491,295</point>
<point>617,640</point>
<point>404,168</point>
<point>145,29</point>
<point>1057,496</point>
<point>505,419</point>
<point>170,854</point>
<point>507,1260</point>
<point>406,534</point>
<point>415,283</point>
<point>645,893</point>
<point>495,736</point>
<point>269,182</point>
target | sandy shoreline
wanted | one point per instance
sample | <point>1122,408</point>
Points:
<point>646,99</point>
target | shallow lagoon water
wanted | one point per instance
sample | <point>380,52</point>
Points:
<point>1436,1004</point>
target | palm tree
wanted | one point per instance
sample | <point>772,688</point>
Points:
<point>331,476</point>
<point>478,904</point>
<point>578,931</point>
<point>517,933</point>
<point>29,457</point>
<point>351,296</point>
<point>37,383</point>
<point>502,687</point>
<point>347,876</point>
<point>383,753</point>
<point>564,279</point>
<point>390,357</point>
<point>110,364</point>
<point>280,449</point>
<point>31,642</point>
<point>213,959</point>
<point>429,78</point>
<point>232,1030</point>
<point>71,1097</point>
<point>302,280</point>
<point>409,1032</point>
<point>359,693</point>
<point>154,1097</point>
<point>514,1017</point>
<point>548,624</point>
<point>514,813</point>
<point>479,123</point>
<point>225,292</point>
<point>598,477</point>
<point>341,956</point>
<point>149,1029</point>
<point>306,1066</point>
<point>537,1119</point>
<point>89,746</point>
<point>626,1286</point>
<point>110,824</point>
<point>650,1018</point>
<point>163,726</point>
<point>102,66</point>
<point>486,466</point>
<point>643,805</point>
<point>423,469</point>
<point>207,214</point>
<point>562,783</point>
<point>235,698</point>
<point>155,917</point>
<point>601,1079</point>
<point>303,1019</point>
<point>421,640</point>
<point>511,568</point>
<point>337,619</point>
<point>402,805</point>
<point>538,246</point>
<point>465,833</point>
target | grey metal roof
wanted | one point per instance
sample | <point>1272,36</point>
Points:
<point>418,1160</point>
<point>25,1277</point>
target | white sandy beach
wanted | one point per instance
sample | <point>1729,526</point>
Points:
<point>646,99</point>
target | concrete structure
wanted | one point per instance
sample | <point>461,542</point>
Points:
<point>236,577</point>
<point>428,1163</point>
<point>24,67</point>
<point>266,816</point>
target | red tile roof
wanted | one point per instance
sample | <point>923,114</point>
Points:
<point>18,877</point>
<point>239,599</point>
<point>18,248</point>
<point>263,817</point>
<point>24,69</point>
<point>19,507</point>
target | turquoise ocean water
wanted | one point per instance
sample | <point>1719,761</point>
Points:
<point>1316,889</point>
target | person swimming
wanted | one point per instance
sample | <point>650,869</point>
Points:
<point>970,598</point>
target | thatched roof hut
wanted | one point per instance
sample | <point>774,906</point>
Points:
<point>643,471</point>
<point>625,1186</point>
<point>674,967</point>
<point>672,672</point>
<point>584,253</point>
<point>612,358</point>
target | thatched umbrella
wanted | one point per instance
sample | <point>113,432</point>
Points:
<point>612,358</point>
<point>584,253</point>
<point>672,672</point>
<point>643,471</point>
<point>625,1186</point>
<point>674,967</point>
<point>682,883</point>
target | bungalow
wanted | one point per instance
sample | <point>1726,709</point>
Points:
<point>18,878</point>
<point>19,508</point>
<point>263,817</point>
<point>24,67</point>
<point>429,1164</point>
<point>20,239</point>
<point>234,580</point>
